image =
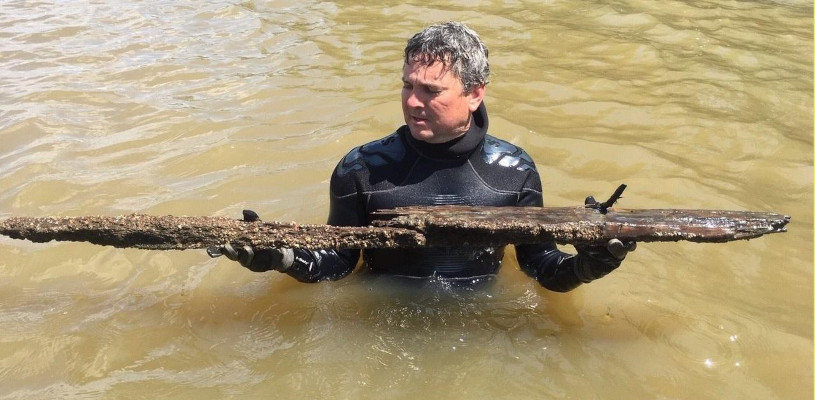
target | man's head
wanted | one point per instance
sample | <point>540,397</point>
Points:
<point>445,74</point>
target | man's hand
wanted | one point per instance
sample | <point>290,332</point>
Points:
<point>619,249</point>
<point>255,260</point>
<point>596,261</point>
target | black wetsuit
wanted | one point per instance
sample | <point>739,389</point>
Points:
<point>398,170</point>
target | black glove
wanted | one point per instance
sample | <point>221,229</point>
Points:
<point>596,261</point>
<point>255,260</point>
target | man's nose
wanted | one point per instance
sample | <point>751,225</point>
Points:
<point>413,100</point>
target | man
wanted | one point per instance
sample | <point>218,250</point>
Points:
<point>442,155</point>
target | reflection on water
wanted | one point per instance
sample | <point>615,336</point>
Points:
<point>207,109</point>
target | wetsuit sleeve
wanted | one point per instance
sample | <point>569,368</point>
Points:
<point>345,210</point>
<point>552,268</point>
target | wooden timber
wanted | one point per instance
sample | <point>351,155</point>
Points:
<point>406,227</point>
<point>182,232</point>
<point>457,225</point>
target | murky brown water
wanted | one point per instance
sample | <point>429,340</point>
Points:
<point>206,108</point>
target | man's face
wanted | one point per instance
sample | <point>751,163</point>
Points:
<point>435,106</point>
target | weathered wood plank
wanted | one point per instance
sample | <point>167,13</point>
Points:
<point>182,232</point>
<point>457,225</point>
<point>406,227</point>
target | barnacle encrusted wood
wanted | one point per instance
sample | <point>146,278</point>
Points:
<point>406,227</point>
<point>182,232</point>
<point>456,225</point>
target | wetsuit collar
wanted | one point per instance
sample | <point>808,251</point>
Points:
<point>459,147</point>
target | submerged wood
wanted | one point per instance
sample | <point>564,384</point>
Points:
<point>406,227</point>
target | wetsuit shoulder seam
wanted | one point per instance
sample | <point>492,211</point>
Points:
<point>346,195</point>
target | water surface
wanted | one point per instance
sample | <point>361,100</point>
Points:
<point>207,108</point>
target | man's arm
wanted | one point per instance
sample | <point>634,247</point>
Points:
<point>553,269</point>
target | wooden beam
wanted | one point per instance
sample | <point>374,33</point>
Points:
<point>406,227</point>
<point>182,232</point>
<point>455,225</point>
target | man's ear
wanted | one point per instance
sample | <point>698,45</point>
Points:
<point>476,96</point>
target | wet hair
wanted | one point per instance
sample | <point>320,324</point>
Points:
<point>455,45</point>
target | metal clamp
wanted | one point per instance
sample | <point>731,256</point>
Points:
<point>604,206</point>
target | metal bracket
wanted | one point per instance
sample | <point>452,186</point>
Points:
<point>604,206</point>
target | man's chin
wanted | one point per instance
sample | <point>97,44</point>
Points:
<point>422,135</point>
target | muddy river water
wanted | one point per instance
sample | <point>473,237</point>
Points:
<point>210,107</point>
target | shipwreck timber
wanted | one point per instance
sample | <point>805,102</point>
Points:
<point>407,227</point>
